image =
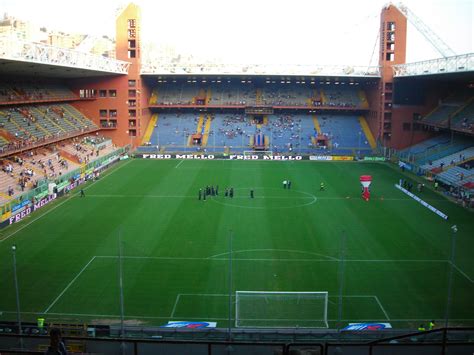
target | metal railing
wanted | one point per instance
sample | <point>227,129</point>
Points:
<point>164,67</point>
<point>459,63</point>
<point>15,49</point>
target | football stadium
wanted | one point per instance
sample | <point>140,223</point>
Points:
<point>153,206</point>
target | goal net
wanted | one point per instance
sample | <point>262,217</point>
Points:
<point>259,153</point>
<point>262,309</point>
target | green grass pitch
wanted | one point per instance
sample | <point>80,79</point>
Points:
<point>176,248</point>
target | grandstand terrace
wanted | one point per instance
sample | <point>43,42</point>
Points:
<point>295,93</point>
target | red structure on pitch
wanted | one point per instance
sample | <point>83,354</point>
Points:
<point>365,180</point>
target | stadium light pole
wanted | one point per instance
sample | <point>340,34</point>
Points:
<point>157,138</point>
<point>454,229</point>
<point>358,152</point>
<point>120,265</point>
<point>341,278</point>
<point>18,314</point>
<point>230,286</point>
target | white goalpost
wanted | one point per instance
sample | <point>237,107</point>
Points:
<point>274,309</point>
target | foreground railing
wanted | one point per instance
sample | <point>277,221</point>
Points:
<point>459,340</point>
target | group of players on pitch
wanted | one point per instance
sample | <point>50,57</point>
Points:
<point>229,191</point>
<point>214,191</point>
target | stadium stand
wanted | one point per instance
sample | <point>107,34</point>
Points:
<point>282,133</point>
<point>30,92</point>
<point>25,125</point>
<point>174,130</point>
<point>248,94</point>
<point>447,108</point>
<point>456,176</point>
<point>464,119</point>
<point>458,157</point>
<point>26,171</point>
<point>233,131</point>
<point>339,96</point>
<point>345,134</point>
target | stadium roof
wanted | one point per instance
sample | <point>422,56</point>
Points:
<point>463,63</point>
<point>158,68</point>
<point>37,59</point>
<point>22,68</point>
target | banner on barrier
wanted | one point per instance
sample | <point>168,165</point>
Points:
<point>367,326</point>
<point>189,325</point>
<point>426,204</point>
<point>342,157</point>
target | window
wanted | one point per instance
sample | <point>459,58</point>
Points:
<point>388,86</point>
<point>113,113</point>
<point>132,123</point>
<point>132,93</point>
<point>103,113</point>
<point>390,57</point>
<point>416,117</point>
<point>113,93</point>
<point>132,113</point>
<point>131,33</point>
<point>131,43</point>
<point>132,103</point>
<point>132,53</point>
<point>390,36</point>
<point>132,23</point>
<point>390,26</point>
<point>390,46</point>
<point>102,93</point>
<point>132,84</point>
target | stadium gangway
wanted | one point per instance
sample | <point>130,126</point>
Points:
<point>18,50</point>
<point>162,66</point>
<point>454,64</point>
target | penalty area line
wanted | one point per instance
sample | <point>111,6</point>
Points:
<point>69,285</point>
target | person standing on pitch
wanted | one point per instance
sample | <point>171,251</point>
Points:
<point>284,184</point>
<point>199,195</point>
<point>82,193</point>
<point>251,193</point>
<point>289,184</point>
<point>321,186</point>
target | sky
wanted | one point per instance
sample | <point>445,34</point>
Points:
<point>342,32</point>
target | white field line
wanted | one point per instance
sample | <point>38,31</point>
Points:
<point>69,285</point>
<point>200,318</point>
<point>177,165</point>
<point>60,204</point>
<point>462,273</point>
<point>330,259</point>
<point>175,305</point>
<point>381,307</point>
<point>256,197</point>
<point>277,250</point>
<point>194,197</point>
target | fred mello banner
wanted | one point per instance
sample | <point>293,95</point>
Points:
<point>211,157</point>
